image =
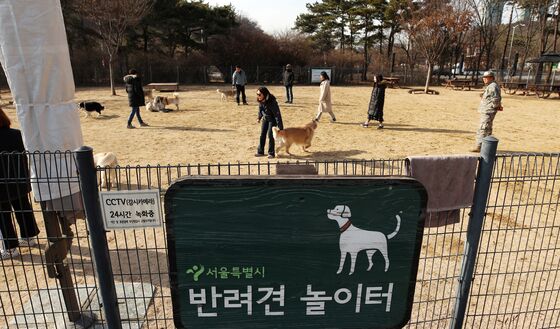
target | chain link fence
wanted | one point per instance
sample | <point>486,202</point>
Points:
<point>515,281</point>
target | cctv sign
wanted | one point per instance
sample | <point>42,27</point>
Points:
<point>287,252</point>
<point>131,209</point>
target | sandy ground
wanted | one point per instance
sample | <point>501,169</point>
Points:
<point>207,130</point>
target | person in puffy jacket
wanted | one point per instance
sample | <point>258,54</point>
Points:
<point>135,97</point>
<point>14,190</point>
<point>269,116</point>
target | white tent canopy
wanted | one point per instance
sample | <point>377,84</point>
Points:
<point>34,55</point>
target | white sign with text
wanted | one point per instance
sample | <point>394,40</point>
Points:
<point>131,209</point>
<point>316,74</point>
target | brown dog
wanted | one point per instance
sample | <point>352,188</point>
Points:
<point>300,136</point>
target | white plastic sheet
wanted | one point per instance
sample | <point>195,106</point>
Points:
<point>34,55</point>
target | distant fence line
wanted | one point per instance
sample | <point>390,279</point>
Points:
<point>98,74</point>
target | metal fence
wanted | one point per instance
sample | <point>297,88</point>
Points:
<point>515,280</point>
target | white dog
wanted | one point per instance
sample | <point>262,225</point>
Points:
<point>353,240</point>
<point>225,94</point>
<point>156,104</point>
<point>107,160</point>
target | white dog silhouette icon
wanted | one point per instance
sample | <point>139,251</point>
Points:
<point>353,239</point>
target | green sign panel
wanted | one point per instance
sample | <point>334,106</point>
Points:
<point>286,252</point>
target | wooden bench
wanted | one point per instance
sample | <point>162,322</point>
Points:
<point>511,88</point>
<point>459,84</point>
<point>421,91</point>
<point>542,90</point>
<point>539,90</point>
<point>393,82</point>
<point>163,86</point>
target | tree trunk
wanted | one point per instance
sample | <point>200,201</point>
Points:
<point>502,62</point>
<point>390,42</point>
<point>488,56</point>
<point>145,38</point>
<point>478,61</point>
<point>428,77</point>
<point>556,19</point>
<point>343,25</point>
<point>366,57</point>
<point>113,91</point>
<point>366,65</point>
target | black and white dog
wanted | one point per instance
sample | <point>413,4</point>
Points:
<point>89,107</point>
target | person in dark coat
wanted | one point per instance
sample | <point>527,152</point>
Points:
<point>376,103</point>
<point>14,190</point>
<point>288,79</point>
<point>135,97</point>
<point>269,116</point>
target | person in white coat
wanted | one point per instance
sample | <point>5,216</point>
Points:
<point>325,104</point>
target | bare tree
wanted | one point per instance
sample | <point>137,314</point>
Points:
<point>488,17</point>
<point>432,27</point>
<point>111,19</point>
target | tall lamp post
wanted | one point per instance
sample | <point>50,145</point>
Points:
<point>510,47</point>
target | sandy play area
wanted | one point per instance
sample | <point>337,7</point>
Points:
<point>207,130</point>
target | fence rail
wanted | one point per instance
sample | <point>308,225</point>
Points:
<point>516,282</point>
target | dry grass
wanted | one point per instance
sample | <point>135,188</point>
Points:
<point>207,130</point>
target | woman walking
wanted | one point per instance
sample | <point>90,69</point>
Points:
<point>376,103</point>
<point>325,104</point>
<point>135,97</point>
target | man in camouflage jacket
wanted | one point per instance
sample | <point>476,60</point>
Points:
<point>490,104</point>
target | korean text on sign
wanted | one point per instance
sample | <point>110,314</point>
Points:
<point>131,209</point>
<point>208,301</point>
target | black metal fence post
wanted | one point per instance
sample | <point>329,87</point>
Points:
<point>98,238</point>
<point>481,190</point>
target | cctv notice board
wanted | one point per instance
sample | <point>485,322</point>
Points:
<point>294,252</point>
<point>131,209</point>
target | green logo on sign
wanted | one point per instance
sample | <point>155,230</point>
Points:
<point>196,271</point>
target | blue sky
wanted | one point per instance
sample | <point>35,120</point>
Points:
<point>271,15</point>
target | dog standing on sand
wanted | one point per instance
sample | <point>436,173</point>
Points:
<point>225,94</point>
<point>107,160</point>
<point>297,135</point>
<point>171,100</point>
<point>89,107</point>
